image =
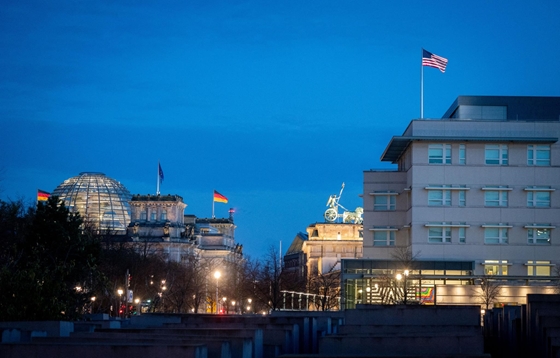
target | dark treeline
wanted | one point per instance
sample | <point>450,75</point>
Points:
<point>54,267</point>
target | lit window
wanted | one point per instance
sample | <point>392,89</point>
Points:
<point>496,154</point>
<point>439,153</point>
<point>539,236</point>
<point>538,197</point>
<point>538,268</point>
<point>153,215</point>
<point>538,155</point>
<point>163,215</point>
<point>384,238</point>
<point>495,235</point>
<point>384,202</point>
<point>462,154</point>
<point>439,197</point>
<point>495,267</point>
<point>439,234</point>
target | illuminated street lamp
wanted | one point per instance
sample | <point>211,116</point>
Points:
<point>249,306</point>
<point>217,275</point>
<point>233,304</point>
<point>224,304</point>
<point>120,292</point>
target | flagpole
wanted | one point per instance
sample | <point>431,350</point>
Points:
<point>213,203</point>
<point>421,85</point>
<point>157,187</point>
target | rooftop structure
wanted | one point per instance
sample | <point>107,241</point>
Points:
<point>101,201</point>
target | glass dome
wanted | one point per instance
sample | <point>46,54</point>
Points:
<point>100,200</point>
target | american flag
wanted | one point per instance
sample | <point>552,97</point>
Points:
<point>431,60</point>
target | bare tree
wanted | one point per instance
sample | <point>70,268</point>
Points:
<point>266,276</point>
<point>406,261</point>
<point>326,287</point>
<point>489,291</point>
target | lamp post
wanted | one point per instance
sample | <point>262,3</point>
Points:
<point>120,292</point>
<point>249,306</point>
<point>233,304</point>
<point>225,305</point>
<point>217,275</point>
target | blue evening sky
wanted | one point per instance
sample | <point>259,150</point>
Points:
<point>273,104</point>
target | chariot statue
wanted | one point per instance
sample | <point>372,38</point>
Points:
<point>331,214</point>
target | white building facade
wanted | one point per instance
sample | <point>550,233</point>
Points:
<point>479,187</point>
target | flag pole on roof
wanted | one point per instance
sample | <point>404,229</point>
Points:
<point>431,60</point>
<point>159,177</point>
<point>217,197</point>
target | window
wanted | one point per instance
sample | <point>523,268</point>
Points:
<point>153,215</point>
<point>439,234</point>
<point>538,155</point>
<point>384,238</point>
<point>143,215</point>
<point>439,197</point>
<point>384,202</point>
<point>495,197</point>
<point>462,198</point>
<point>495,267</point>
<point>462,154</point>
<point>462,235</point>
<point>496,154</point>
<point>538,268</point>
<point>439,154</point>
<point>538,197</point>
<point>163,215</point>
<point>539,235</point>
<point>496,235</point>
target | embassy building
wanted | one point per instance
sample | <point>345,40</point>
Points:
<point>474,198</point>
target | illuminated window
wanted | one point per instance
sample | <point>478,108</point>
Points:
<point>163,215</point>
<point>538,235</point>
<point>538,268</point>
<point>439,153</point>
<point>495,267</point>
<point>153,215</point>
<point>538,155</point>
<point>496,154</point>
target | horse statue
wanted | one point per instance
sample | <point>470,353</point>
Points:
<point>354,217</point>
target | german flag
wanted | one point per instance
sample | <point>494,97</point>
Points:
<point>43,195</point>
<point>219,198</point>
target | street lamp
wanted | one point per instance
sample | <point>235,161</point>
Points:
<point>120,292</point>
<point>217,275</point>
<point>249,306</point>
<point>224,304</point>
<point>233,304</point>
